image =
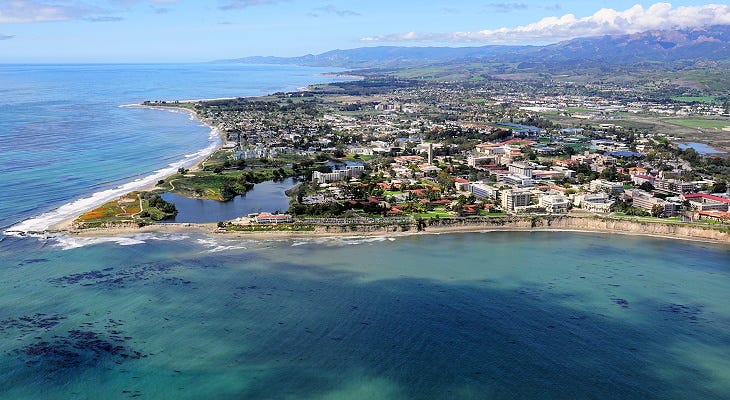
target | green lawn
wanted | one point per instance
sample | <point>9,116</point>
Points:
<point>696,99</point>
<point>491,214</point>
<point>360,158</point>
<point>578,110</point>
<point>434,213</point>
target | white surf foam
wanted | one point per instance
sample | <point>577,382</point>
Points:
<point>69,243</point>
<point>66,242</point>
<point>216,246</point>
<point>45,221</point>
<point>337,241</point>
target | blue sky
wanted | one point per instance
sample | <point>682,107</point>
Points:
<point>188,30</point>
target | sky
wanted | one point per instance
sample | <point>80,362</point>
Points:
<point>45,31</point>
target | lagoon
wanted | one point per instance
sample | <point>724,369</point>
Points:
<point>701,148</point>
<point>266,196</point>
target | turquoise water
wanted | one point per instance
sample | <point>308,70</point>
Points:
<point>509,315</point>
<point>513,315</point>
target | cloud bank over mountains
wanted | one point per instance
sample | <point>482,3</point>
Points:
<point>606,21</point>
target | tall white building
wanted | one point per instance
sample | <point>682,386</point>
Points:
<point>484,191</point>
<point>554,203</point>
<point>521,168</point>
<point>342,174</point>
<point>602,185</point>
<point>515,198</point>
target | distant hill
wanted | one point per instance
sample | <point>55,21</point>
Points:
<point>709,43</point>
<point>712,44</point>
<point>364,57</point>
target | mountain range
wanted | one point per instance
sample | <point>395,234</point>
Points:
<point>659,46</point>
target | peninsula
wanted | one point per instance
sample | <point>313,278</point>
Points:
<point>439,138</point>
<point>384,154</point>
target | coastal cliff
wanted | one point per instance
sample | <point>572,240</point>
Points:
<point>447,225</point>
<point>540,223</point>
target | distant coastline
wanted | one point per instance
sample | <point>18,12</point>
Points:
<point>343,75</point>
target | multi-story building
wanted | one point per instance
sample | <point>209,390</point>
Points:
<point>674,185</point>
<point>477,161</point>
<point>596,202</point>
<point>554,203</point>
<point>350,170</point>
<point>515,198</point>
<point>706,202</point>
<point>483,191</point>
<point>644,200</point>
<point>602,185</point>
<point>517,180</point>
<point>647,202</point>
<point>521,168</point>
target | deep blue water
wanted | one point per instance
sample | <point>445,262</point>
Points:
<point>494,315</point>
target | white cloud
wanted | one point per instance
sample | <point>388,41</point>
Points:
<point>604,22</point>
<point>22,11</point>
<point>104,19</point>
<point>238,4</point>
<point>29,11</point>
<point>332,10</point>
<point>507,7</point>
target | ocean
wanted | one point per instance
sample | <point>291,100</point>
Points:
<point>490,315</point>
<point>68,142</point>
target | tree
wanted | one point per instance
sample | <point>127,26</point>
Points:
<point>657,210</point>
<point>609,174</point>
<point>568,150</point>
<point>646,186</point>
<point>719,187</point>
<point>445,180</point>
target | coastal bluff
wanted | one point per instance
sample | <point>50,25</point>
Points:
<point>539,223</point>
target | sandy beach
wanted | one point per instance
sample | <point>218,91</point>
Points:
<point>66,224</point>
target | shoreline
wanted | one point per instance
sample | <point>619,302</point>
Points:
<point>61,218</point>
<point>67,224</point>
<point>561,224</point>
<point>343,75</point>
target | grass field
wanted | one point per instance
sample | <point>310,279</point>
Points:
<point>696,99</point>
<point>696,123</point>
<point>435,213</point>
<point>578,110</point>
